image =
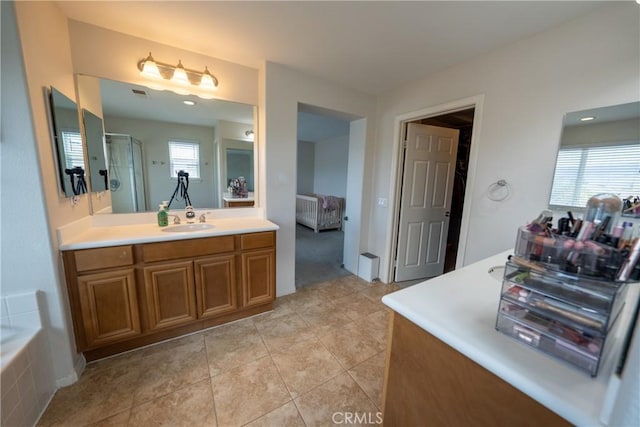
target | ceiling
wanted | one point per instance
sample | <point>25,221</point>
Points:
<point>369,46</point>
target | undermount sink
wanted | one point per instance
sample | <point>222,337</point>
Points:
<point>187,228</point>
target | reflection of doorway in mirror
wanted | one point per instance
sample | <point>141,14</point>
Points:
<point>240,163</point>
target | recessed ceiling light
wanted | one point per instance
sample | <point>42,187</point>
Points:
<point>189,102</point>
<point>587,119</point>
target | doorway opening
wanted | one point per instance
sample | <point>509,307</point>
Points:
<point>328,171</point>
<point>427,240</point>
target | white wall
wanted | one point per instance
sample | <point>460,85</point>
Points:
<point>281,91</point>
<point>30,193</point>
<point>330,168</point>
<point>155,138</point>
<point>528,86</point>
<point>306,163</point>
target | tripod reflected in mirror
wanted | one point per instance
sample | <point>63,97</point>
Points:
<point>77,179</point>
<point>182,189</point>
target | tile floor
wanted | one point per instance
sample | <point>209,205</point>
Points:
<point>320,352</point>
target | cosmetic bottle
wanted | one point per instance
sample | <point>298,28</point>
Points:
<point>602,206</point>
<point>630,262</point>
<point>163,216</point>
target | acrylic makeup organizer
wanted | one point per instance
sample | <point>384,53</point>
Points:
<point>570,316</point>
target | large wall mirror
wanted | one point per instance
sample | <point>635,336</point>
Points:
<point>152,135</point>
<point>70,158</point>
<point>599,153</point>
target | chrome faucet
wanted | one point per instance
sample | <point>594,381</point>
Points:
<point>190,214</point>
<point>176,218</point>
<point>202,218</point>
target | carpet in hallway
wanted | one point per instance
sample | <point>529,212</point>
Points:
<point>318,256</point>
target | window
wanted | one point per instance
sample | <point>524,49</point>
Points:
<point>583,172</point>
<point>73,153</point>
<point>184,156</point>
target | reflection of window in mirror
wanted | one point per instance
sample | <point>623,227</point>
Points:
<point>184,156</point>
<point>73,152</point>
<point>599,153</point>
<point>583,172</point>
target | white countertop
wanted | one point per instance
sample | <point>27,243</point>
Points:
<point>114,235</point>
<point>460,309</point>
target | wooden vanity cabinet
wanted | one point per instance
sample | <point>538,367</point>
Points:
<point>258,268</point>
<point>216,285</point>
<point>169,290</point>
<point>103,295</point>
<point>128,296</point>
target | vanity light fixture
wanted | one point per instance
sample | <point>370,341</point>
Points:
<point>177,74</point>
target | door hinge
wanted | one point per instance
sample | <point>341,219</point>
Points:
<point>404,144</point>
<point>395,263</point>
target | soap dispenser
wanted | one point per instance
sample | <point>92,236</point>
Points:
<point>163,216</point>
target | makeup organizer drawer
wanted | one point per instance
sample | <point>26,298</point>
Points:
<point>566,316</point>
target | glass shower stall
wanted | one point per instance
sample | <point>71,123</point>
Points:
<point>126,173</point>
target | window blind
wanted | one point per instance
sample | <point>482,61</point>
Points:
<point>73,152</point>
<point>184,156</point>
<point>582,172</point>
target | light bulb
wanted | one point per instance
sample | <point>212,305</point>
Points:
<point>150,68</point>
<point>207,81</point>
<point>180,75</point>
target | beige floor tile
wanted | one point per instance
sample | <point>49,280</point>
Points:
<point>171,368</point>
<point>313,336</point>
<point>116,420</point>
<point>305,365</point>
<point>283,332</point>
<point>324,317</point>
<point>376,291</point>
<point>334,401</point>
<point>232,345</point>
<point>350,345</point>
<point>248,392</point>
<point>370,375</point>
<point>190,340</point>
<point>376,324</point>
<point>189,406</point>
<point>105,389</point>
<point>285,416</point>
<point>357,306</point>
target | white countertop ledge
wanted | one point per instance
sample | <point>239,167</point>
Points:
<point>115,235</point>
<point>460,309</point>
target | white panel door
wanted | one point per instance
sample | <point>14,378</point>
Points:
<point>427,187</point>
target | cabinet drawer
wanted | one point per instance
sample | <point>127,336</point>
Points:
<point>266,239</point>
<point>95,259</point>
<point>176,249</point>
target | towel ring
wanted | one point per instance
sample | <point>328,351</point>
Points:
<point>499,190</point>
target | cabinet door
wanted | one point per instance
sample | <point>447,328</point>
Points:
<point>109,306</point>
<point>258,277</point>
<point>170,294</point>
<point>216,285</point>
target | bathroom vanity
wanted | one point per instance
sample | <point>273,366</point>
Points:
<point>131,286</point>
<point>447,364</point>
